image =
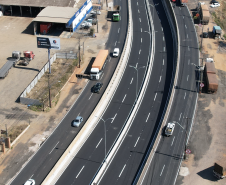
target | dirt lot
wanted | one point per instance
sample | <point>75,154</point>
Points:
<point>208,138</point>
<point>12,113</point>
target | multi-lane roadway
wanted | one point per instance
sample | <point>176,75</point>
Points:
<point>167,159</point>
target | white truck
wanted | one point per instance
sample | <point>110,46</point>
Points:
<point>97,67</point>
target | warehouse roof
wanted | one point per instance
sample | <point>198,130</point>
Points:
<point>55,14</point>
<point>41,3</point>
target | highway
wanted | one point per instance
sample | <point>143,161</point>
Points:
<point>86,163</point>
<point>167,159</point>
<point>126,162</point>
<point>42,162</point>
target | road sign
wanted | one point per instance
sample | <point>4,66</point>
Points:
<point>201,84</point>
<point>48,43</point>
<point>188,151</point>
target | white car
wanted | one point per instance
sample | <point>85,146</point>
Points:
<point>77,121</point>
<point>30,182</point>
<point>85,23</point>
<point>169,129</point>
<point>95,12</point>
<point>213,5</point>
<point>116,52</point>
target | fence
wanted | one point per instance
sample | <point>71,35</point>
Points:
<point>28,101</point>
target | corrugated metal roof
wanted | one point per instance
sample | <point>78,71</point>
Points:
<point>38,3</point>
<point>56,14</point>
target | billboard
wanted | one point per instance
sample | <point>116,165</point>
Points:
<point>48,43</point>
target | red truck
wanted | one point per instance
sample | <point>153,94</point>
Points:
<point>211,77</point>
<point>45,27</point>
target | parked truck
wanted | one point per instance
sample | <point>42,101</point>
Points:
<point>97,67</point>
<point>211,77</point>
<point>219,170</point>
<point>204,14</point>
<point>183,2</point>
<point>216,32</point>
<point>116,15</point>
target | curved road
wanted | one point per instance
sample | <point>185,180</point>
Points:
<point>167,159</point>
<point>129,157</point>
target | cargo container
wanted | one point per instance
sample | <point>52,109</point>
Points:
<point>219,170</point>
<point>211,77</point>
<point>97,67</point>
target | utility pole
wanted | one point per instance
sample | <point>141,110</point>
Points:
<point>79,58</point>
<point>97,20</point>
<point>49,91</point>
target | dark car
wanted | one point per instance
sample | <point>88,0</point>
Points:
<point>96,88</point>
<point>205,35</point>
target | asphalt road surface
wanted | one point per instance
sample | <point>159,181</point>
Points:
<point>46,157</point>
<point>166,161</point>
<point>129,157</point>
<point>86,163</point>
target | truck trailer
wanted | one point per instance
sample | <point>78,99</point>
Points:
<point>116,15</point>
<point>97,67</point>
<point>204,14</point>
<point>211,77</point>
<point>219,170</point>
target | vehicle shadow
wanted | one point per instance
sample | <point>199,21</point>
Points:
<point>27,68</point>
<point>208,174</point>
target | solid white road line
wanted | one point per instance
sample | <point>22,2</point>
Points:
<point>148,116</point>
<point>99,142</point>
<point>122,170</point>
<point>114,118</point>
<point>136,142</point>
<point>160,78</point>
<point>79,172</point>
<point>155,96</point>
<point>162,170</point>
<point>187,77</point>
<point>180,116</point>
<point>54,147</point>
<point>173,141</point>
<point>124,98</point>
<point>184,95</point>
<point>131,81</point>
<point>91,95</point>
